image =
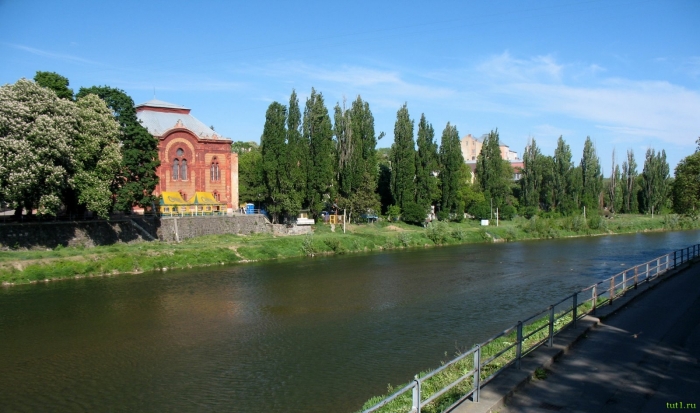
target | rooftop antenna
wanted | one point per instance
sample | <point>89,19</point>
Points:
<point>154,92</point>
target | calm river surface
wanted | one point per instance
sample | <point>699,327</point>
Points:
<point>306,335</point>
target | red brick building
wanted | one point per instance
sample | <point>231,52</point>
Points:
<point>193,158</point>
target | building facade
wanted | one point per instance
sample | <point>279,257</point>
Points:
<point>193,158</point>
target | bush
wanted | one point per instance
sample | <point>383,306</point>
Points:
<point>438,232</point>
<point>443,216</point>
<point>507,212</point>
<point>414,214</point>
<point>480,210</point>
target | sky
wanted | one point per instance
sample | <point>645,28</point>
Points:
<point>624,72</point>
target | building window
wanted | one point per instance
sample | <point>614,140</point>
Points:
<point>216,196</point>
<point>214,173</point>
<point>176,169</point>
<point>183,170</point>
<point>180,152</point>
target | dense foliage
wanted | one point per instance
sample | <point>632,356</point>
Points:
<point>56,153</point>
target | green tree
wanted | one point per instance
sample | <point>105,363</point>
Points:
<point>251,176</point>
<point>273,148</point>
<point>686,186</point>
<point>629,187</point>
<point>592,179</point>
<point>297,157</point>
<point>531,180</point>
<point>240,147</point>
<point>613,191</point>
<point>357,160</point>
<point>451,161</point>
<point>317,130</point>
<point>403,161</point>
<point>137,176</point>
<point>493,173</point>
<point>427,184</point>
<point>97,159</point>
<point>55,82</point>
<point>655,177</point>
<point>562,178</point>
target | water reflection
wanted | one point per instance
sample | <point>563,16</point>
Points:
<point>297,335</point>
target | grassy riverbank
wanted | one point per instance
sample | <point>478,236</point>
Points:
<point>19,267</point>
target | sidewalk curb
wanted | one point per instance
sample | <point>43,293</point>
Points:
<point>496,394</point>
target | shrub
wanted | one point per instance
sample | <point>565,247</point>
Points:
<point>414,214</point>
<point>507,212</point>
<point>437,232</point>
<point>480,210</point>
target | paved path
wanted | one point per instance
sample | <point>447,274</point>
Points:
<point>642,357</point>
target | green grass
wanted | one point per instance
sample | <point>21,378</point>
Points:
<point>17,266</point>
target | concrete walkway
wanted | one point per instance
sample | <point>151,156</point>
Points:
<point>640,355</point>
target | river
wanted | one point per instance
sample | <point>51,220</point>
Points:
<point>302,335</point>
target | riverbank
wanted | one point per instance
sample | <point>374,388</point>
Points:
<point>31,266</point>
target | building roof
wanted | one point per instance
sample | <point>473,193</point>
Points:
<point>158,117</point>
<point>155,103</point>
<point>203,198</point>
<point>171,198</point>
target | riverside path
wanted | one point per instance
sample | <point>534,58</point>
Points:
<point>641,357</point>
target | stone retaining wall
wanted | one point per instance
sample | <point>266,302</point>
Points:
<point>42,235</point>
<point>174,229</point>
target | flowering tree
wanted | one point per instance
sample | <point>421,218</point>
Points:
<point>52,148</point>
<point>36,133</point>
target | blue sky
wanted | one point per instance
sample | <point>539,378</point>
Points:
<point>626,73</point>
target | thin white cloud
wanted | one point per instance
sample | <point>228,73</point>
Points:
<point>654,109</point>
<point>52,55</point>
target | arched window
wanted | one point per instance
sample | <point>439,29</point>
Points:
<point>216,195</point>
<point>183,170</point>
<point>176,169</point>
<point>214,174</point>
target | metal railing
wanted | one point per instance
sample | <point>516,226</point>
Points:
<point>462,377</point>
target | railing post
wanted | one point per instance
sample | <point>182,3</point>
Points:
<point>595,298</point>
<point>647,272</point>
<point>519,345</point>
<point>636,268</point>
<point>574,310</point>
<point>675,264</point>
<point>624,281</point>
<point>612,289</point>
<point>477,374</point>
<point>658,265</point>
<point>551,326</point>
<point>416,396</point>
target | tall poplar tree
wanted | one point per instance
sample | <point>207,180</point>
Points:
<point>592,178</point>
<point>427,187</point>
<point>451,161</point>
<point>318,131</point>
<point>274,152</point>
<point>357,159</point>
<point>297,157</point>
<point>655,178</point>
<point>531,180</point>
<point>403,160</point>
<point>562,178</point>
<point>493,173</point>
<point>629,184</point>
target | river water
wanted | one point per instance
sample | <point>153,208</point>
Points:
<point>306,335</point>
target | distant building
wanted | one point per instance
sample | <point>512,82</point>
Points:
<point>193,158</point>
<point>471,148</point>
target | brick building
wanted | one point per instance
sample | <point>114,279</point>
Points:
<point>193,158</point>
